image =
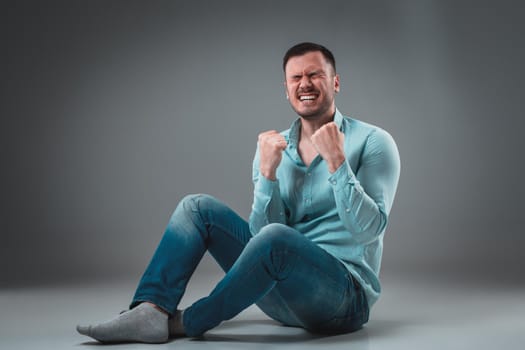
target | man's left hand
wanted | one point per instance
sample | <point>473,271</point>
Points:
<point>329,143</point>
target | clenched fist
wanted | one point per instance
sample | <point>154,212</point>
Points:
<point>329,143</point>
<point>271,147</point>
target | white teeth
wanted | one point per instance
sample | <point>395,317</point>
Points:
<point>309,97</point>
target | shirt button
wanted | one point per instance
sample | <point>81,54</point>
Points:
<point>281,213</point>
<point>347,210</point>
<point>333,182</point>
<point>309,174</point>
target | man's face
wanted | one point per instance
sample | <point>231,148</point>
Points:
<point>311,85</point>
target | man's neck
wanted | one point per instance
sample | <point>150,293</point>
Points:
<point>311,125</point>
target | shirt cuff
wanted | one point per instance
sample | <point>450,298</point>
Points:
<point>342,176</point>
<point>265,185</point>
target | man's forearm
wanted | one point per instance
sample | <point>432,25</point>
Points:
<point>268,207</point>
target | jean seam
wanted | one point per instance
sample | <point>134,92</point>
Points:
<point>208,224</point>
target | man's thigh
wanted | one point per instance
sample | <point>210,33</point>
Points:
<point>319,294</point>
<point>315,291</point>
<point>226,232</point>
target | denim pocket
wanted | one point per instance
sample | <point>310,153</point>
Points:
<point>352,314</point>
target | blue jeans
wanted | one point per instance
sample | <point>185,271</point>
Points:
<point>289,277</point>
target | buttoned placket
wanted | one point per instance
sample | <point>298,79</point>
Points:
<point>308,185</point>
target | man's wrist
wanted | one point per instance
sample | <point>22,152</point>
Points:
<point>270,175</point>
<point>335,163</point>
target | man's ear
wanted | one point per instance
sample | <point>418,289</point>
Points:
<point>286,91</point>
<point>337,87</point>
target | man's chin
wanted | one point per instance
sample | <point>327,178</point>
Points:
<point>308,115</point>
<point>313,113</point>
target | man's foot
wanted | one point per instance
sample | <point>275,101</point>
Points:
<point>144,323</point>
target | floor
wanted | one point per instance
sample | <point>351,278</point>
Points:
<point>412,314</point>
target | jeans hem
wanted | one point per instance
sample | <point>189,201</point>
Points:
<point>154,300</point>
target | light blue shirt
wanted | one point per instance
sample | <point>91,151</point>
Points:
<point>344,213</point>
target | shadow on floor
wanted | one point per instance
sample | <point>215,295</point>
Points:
<point>271,332</point>
<point>268,331</point>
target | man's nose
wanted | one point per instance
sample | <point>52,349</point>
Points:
<point>305,81</point>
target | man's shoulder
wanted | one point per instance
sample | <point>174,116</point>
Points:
<point>360,125</point>
<point>367,130</point>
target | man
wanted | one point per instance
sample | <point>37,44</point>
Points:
<point>311,252</point>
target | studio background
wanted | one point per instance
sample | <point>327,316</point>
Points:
<point>113,111</point>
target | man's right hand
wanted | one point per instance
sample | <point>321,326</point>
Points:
<point>271,147</point>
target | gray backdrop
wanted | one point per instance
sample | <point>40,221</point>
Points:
<point>112,111</point>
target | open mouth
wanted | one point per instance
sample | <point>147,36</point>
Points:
<point>307,97</point>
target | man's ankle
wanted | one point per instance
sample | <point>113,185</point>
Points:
<point>157,307</point>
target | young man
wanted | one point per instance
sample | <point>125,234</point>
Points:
<point>311,252</point>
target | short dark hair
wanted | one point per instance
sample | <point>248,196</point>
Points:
<point>303,48</point>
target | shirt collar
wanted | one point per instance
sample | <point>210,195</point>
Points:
<point>296,127</point>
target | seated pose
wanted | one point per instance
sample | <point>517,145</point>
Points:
<point>311,252</point>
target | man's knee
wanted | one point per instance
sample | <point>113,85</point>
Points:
<point>274,229</point>
<point>276,245</point>
<point>276,235</point>
<point>197,202</point>
<point>192,211</point>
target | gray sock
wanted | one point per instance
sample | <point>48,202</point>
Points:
<point>143,323</point>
